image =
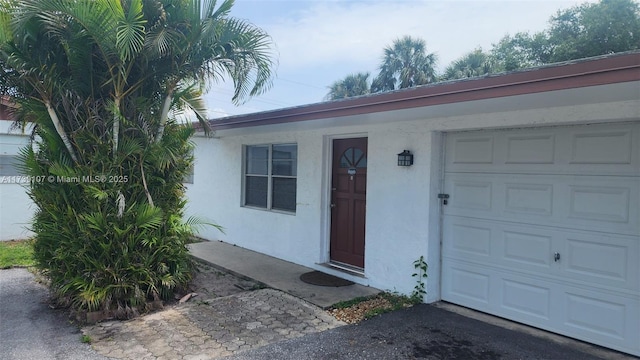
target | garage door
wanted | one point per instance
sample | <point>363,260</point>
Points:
<point>542,227</point>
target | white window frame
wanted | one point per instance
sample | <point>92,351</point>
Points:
<point>8,165</point>
<point>269,177</point>
<point>190,176</point>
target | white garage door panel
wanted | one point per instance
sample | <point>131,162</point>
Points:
<point>605,261</point>
<point>600,317</point>
<point>467,285</point>
<point>543,227</point>
<point>597,203</point>
<point>601,259</point>
<point>596,149</point>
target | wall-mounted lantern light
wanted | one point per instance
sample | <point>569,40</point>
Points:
<point>405,158</point>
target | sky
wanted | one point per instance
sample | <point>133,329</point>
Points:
<point>317,42</point>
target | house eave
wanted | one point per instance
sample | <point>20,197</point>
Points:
<point>611,69</point>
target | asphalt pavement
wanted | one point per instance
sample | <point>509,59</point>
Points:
<point>420,332</point>
<point>29,329</point>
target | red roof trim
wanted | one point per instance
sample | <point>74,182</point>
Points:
<point>589,72</point>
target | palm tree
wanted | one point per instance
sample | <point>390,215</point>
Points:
<point>405,64</point>
<point>214,45</point>
<point>475,63</point>
<point>102,80</point>
<point>352,85</point>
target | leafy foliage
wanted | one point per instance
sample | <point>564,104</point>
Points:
<point>475,63</point>
<point>405,64</point>
<point>97,254</point>
<point>419,291</point>
<point>606,27</point>
<point>586,30</point>
<point>520,51</point>
<point>352,85</point>
<point>103,80</point>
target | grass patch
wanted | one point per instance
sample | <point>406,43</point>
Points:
<point>395,301</point>
<point>354,301</point>
<point>16,253</point>
<point>85,339</point>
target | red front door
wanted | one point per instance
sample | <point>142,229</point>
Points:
<point>348,201</point>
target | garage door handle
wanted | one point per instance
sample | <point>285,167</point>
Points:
<point>556,257</point>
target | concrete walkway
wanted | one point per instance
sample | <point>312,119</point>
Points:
<point>274,273</point>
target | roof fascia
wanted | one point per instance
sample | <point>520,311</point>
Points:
<point>591,72</point>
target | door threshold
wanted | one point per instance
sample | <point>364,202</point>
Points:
<point>350,269</point>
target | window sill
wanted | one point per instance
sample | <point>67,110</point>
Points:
<point>284,212</point>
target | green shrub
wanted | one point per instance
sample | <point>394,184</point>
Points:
<point>102,244</point>
<point>103,83</point>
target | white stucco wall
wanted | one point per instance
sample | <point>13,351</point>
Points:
<point>16,209</point>
<point>303,237</point>
<point>403,212</point>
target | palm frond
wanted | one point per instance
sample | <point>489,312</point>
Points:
<point>190,99</point>
<point>148,217</point>
<point>160,40</point>
<point>196,223</point>
<point>130,33</point>
<point>244,54</point>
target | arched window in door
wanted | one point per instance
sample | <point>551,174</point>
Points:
<point>353,158</point>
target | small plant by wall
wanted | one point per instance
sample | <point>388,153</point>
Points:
<point>419,291</point>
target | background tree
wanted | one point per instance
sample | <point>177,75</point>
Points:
<point>405,64</point>
<point>586,30</point>
<point>520,51</point>
<point>590,29</point>
<point>102,80</point>
<point>606,27</point>
<point>475,63</point>
<point>351,85</point>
